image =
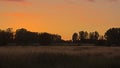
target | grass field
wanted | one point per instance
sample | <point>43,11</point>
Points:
<point>59,57</point>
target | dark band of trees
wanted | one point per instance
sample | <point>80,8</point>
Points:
<point>23,36</point>
<point>111,36</point>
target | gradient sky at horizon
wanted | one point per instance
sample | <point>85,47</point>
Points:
<point>62,17</point>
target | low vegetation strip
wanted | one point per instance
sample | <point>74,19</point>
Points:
<point>59,57</point>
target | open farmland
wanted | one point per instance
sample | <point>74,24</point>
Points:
<point>59,57</point>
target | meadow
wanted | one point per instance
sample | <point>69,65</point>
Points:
<point>59,57</point>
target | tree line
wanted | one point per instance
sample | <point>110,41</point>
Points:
<point>23,37</point>
<point>111,36</point>
<point>85,37</point>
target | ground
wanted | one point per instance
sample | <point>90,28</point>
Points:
<point>59,57</point>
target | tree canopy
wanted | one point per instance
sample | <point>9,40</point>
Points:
<point>112,35</point>
<point>24,36</point>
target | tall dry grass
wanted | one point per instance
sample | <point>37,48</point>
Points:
<point>59,57</point>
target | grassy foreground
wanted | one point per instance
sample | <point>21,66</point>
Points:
<point>59,57</point>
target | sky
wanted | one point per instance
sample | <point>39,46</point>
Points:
<point>62,17</point>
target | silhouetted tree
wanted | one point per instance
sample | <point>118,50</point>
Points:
<point>56,38</point>
<point>94,35</point>
<point>45,38</point>
<point>75,38</point>
<point>23,36</point>
<point>10,35</point>
<point>2,37</point>
<point>6,36</point>
<point>91,36</point>
<point>20,36</point>
<point>83,35</point>
<point>113,36</point>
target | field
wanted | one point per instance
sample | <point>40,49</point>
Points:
<point>59,57</point>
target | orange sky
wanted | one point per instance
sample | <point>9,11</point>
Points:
<point>62,17</point>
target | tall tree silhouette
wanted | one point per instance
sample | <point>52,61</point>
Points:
<point>75,38</point>
<point>20,36</point>
<point>83,35</point>
<point>6,36</point>
<point>10,35</point>
<point>94,35</point>
<point>113,35</point>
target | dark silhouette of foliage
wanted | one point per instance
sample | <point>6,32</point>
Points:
<point>6,36</point>
<point>23,36</point>
<point>83,35</point>
<point>20,36</point>
<point>9,35</point>
<point>94,35</point>
<point>45,38</point>
<point>56,38</point>
<point>113,36</point>
<point>75,38</point>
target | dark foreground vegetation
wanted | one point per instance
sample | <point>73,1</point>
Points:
<point>24,37</point>
<point>59,57</point>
